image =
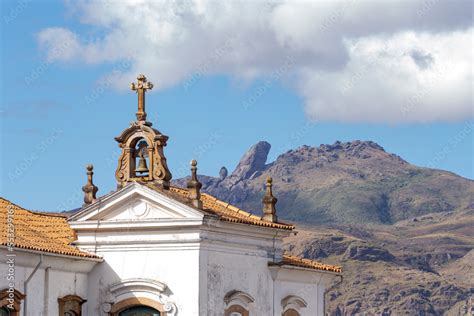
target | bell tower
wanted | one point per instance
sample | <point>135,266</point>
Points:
<point>142,157</point>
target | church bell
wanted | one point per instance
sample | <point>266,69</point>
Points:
<point>142,167</point>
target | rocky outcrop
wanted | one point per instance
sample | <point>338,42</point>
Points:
<point>223,173</point>
<point>346,182</point>
<point>252,161</point>
<point>233,188</point>
<point>365,252</point>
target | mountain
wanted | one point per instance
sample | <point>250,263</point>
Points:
<point>421,267</point>
<point>402,233</point>
<point>352,182</point>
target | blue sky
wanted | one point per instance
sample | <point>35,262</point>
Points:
<point>59,113</point>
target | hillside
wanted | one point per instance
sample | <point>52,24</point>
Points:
<point>412,268</point>
<point>353,182</point>
<point>402,233</point>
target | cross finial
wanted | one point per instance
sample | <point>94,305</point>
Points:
<point>141,86</point>
<point>269,201</point>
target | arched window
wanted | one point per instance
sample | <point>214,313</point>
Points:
<point>128,298</point>
<point>292,305</point>
<point>291,312</point>
<point>138,306</point>
<point>236,310</point>
<point>70,305</point>
<point>140,310</point>
<point>10,302</point>
<point>237,303</point>
<point>5,311</point>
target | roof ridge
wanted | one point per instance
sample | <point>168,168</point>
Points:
<point>309,263</point>
<point>52,214</point>
<point>233,211</point>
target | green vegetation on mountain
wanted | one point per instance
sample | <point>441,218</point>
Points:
<point>402,233</point>
<point>353,182</point>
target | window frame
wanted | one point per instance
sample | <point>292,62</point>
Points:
<point>62,301</point>
<point>17,298</point>
<point>291,312</point>
<point>119,307</point>
<point>236,309</point>
<point>238,302</point>
<point>293,303</point>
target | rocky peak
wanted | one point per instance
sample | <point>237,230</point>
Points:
<point>355,145</point>
<point>357,149</point>
<point>223,173</point>
<point>252,161</point>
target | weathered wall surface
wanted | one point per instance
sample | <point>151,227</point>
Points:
<point>248,273</point>
<point>306,285</point>
<point>177,268</point>
<point>55,278</point>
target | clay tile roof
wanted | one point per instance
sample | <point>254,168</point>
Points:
<point>307,263</point>
<point>39,231</point>
<point>230,213</point>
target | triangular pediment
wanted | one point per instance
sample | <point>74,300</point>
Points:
<point>136,202</point>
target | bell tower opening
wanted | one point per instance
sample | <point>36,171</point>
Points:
<point>141,159</point>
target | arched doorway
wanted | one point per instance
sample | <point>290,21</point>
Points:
<point>139,311</point>
<point>138,306</point>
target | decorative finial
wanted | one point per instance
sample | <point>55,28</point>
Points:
<point>269,201</point>
<point>194,186</point>
<point>89,189</point>
<point>141,86</point>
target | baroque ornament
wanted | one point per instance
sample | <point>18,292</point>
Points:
<point>140,141</point>
<point>90,190</point>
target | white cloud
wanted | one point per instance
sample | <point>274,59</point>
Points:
<point>59,43</point>
<point>406,77</point>
<point>351,61</point>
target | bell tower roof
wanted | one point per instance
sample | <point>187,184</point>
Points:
<point>142,157</point>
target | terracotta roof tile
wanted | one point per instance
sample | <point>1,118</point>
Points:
<point>307,263</point>
<point>230,213</point>
<point>52,233</point>
<point>39,231</point>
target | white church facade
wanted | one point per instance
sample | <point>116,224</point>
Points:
<point>152,248</point>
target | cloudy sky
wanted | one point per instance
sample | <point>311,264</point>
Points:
<point>227,74</point>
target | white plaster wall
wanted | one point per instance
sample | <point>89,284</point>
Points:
<point>236,258</point>
<point>61,282</point>
<point>200,259</point>
<point>249,273</point>
<point>198,275</point>
<point>306,284</point>
<point>142,234</point>
<point>178,269</point>
<point>309,292</point>
<point>230,271</point>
